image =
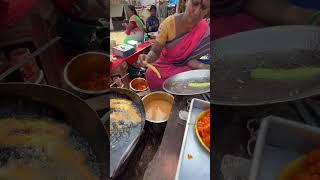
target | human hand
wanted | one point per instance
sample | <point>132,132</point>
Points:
<point>204,66</point>
<point>207,66</point>
<point>143,60</point>
<point>195,64</point>
<point>118,81</point>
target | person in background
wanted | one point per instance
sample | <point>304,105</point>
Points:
<point>242,15</point>
<point>163,10</point>
<point>182,40</point>
<point>135,28</point>
<point>152,21</point>
<point>183,5</point>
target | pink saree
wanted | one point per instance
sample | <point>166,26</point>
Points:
<point>176,54</point>
<point>230,24</point>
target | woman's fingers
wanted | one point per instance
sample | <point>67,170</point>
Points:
<point>142,60</point>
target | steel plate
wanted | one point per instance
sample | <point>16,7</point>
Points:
<point>279,47</point>
<point>178,84</point>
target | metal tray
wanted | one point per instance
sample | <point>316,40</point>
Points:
<point>178,84</point>
<point>287,47</point>
<point>279,142</point>
<point>199,166</point>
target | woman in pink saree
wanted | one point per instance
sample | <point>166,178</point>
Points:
<point>182,40</point>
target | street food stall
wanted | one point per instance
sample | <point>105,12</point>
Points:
<point>166,113</point>
<point>66,85</point>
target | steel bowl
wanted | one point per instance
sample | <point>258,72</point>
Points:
<point>138,81</point>
<point>156,96</point>
<point>82,65</point>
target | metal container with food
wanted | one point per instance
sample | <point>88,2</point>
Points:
<point>139,84</point>
<point>125,119</point>
<point>50,134</point>
<point>194,160</point>
<point>88,73</point>
<point>280,147</point>
<point>158,106</point>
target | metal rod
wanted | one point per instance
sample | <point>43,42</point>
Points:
<point>304,113</point>
<point>120,79</point>
<point>29,58</point>
<point>205,97</point>
<point>106,117</point>
<point>315,107</point>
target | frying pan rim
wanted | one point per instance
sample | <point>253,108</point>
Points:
<point>267,102</point>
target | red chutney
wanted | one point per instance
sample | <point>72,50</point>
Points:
<point>313,167</point>
<point>203,127</point>
<point>95,82</point>
<point>140,87</point>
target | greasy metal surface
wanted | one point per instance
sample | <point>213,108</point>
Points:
<point>83,65</point>
<point>199,166</point>
<point>178,84</point>
<point>275,47</point>
<point>40,101</point>
<point>123,140</point>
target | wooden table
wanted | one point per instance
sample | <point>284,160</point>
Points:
<point>165,162</point>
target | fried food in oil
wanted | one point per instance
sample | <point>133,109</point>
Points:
<point>124,110</point>
<point>51,139</point>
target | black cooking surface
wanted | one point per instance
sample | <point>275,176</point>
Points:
<point>234,83</point>
<point>25,108</point>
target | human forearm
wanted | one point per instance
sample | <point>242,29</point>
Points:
<point>278,12</point>
<point>155,52</point>
<point>195,64</point>
<point>129,27</point>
